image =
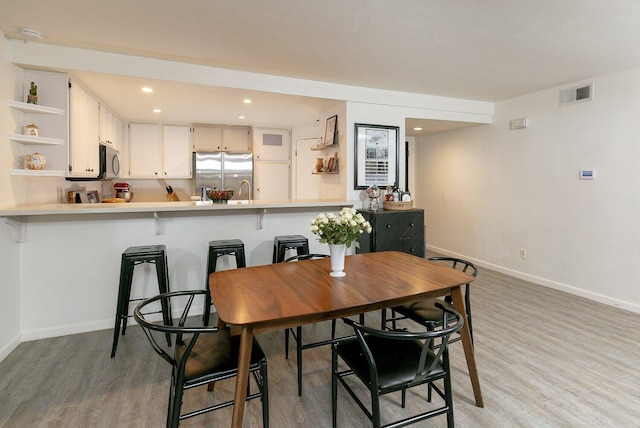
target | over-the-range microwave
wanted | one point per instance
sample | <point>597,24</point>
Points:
<point>109,165</point>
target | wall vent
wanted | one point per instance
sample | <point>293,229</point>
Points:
<point>576,94</point>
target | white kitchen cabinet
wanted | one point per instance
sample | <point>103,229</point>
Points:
<point>84,160</point>
<point>236,139</point>
<point>176,149</point>
<point>271,180</point>
<point>118,132</point>
<point>106,125</point>
<point>159,151</point>
<point>271,144</point>
<point>215,138</point>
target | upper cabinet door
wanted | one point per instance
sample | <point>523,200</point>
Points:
<point>176,146</point>
<point>236,139</point>
<point>271,144</point>
<point>107,123</point>
<point>207,138</point>
<point>211,138</point>
<point>145,150</point>
<point>83,150</point>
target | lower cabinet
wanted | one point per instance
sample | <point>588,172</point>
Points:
<point>394,231</point>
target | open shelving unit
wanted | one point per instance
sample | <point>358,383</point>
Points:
<point>52,117</point>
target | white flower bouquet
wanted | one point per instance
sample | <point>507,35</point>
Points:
<point>344,228</point>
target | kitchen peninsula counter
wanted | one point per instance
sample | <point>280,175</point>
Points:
<point>156,207</point>
<point>67,256</point>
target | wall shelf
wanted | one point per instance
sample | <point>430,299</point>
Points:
<point>319,147</point>
<point>34,108</point>
<point>37,172</point>
<point>27,139</point>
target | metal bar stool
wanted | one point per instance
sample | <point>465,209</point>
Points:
<point>289,242</point>
<point>217,249</point>
<point>131,257</point>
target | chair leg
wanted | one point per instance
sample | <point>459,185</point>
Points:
<point>163,285</point>
<point>286,344</point>
<point>375,408</point>
<point>299,356</point>
<point>125,278</point>
<point>334,385</point>
<point>264,398</point>
<point>448,395</point>
<point>175,402</point>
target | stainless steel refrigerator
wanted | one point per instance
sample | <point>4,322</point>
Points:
<point>224,170</point>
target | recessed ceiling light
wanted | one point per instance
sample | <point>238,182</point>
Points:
<point>247,101</point>
<point>29,32</point>
<point>156,110</point>
<point>417,129</point>
<point>146,89</point>
<point>241,117</point>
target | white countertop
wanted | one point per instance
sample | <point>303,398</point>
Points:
<point>154,207</point>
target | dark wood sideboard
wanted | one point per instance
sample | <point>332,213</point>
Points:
<point>394,230</point>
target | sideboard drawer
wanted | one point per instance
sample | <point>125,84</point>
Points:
<point>394,231</point>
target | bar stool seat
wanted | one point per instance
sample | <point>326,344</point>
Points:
<point>283,243</point>
<point>217,249</point>
<point>131,257</point>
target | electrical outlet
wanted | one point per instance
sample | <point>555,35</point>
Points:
<point>523,253</point>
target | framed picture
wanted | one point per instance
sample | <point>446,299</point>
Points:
<point>376,156</point>
<point>331,131</point>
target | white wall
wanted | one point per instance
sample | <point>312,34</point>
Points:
<point>489,191</point>
<point>9,276</point>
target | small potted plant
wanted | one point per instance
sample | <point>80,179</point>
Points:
<point>32,98</point>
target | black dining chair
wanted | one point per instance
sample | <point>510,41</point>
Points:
<point>202,355</point>
<point>297,333</point>
<point>388,361</point>
<point>425,312</point>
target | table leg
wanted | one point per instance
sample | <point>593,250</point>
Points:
<point>244,358</point>
<point>458,304</point>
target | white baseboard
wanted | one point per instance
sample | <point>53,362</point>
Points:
<point>601,298</point>
<point>9,347</point>
<point>66,330</point>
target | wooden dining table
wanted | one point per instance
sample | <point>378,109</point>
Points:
<point>278,296</point>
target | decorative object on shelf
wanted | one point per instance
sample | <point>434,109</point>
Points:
<point>331,131</point>
<point>341,230</point>
<point>332,165</point>
<point>31,130</point>
<point>373,192</point>
<point>319,145</point>
<point>376,155</point>
<point>35,161</point>
<point>32,98</point>
<point>219,196</point>
<point>397,205</point>
<point>319,164</point>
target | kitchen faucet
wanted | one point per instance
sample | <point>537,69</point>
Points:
<point>248,187</point>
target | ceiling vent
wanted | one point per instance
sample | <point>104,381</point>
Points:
<point>576,94</point>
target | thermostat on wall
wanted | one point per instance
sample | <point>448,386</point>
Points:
<point>588,174</point>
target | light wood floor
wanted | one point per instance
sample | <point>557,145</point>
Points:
<point>546,359</point>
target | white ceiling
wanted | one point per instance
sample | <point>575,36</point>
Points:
<point>486,50</point>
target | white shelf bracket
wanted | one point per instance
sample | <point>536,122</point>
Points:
<point>158,224</point>
<point>19,228</point>
<point>261,214</point>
